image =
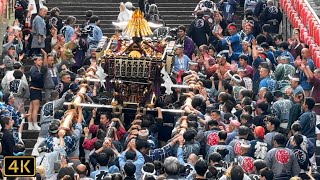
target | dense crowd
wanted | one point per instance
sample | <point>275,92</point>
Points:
<point>250,112</point>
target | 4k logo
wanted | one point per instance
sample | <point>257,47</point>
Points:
<point>19,166</point>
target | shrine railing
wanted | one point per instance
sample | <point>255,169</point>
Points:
<point>302,16</point>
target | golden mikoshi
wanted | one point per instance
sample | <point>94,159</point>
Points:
<point>138,26</point>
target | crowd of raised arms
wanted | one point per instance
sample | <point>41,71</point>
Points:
<point>251,114</point>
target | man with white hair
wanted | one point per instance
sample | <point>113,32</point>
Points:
<point>284,69</point>
<point>129,7</point>
<point>33,6</point>
<point>270,3</point>
<point>125,14</point>
<point>39,31</point>
<point>171,167</point>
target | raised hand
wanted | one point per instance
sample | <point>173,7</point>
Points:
<point>76,29</point>
<point>61,133</point>
<point>21,107</point>
<point>26,38</point>
<point>298,61</point>
<point>229,43</point>
<point>302,66</point>
<point>233,66</point>
<point>11,38</point>
<point>74,37</point>
<point>16,22</point>
<point>43,52</point>
<point>94,112</point>
<point>86,130</point>
<point>115,119</point>
<point>54,31</point>
<point>254,42</point>
<point>132,144</point>
<point>21,56</point>
<point>181,141</point>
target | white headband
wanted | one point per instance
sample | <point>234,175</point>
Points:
<point>147,173</point>
<point>293,78</point>
<point>236,78</point>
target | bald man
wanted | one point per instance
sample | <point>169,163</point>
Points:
<point>82,172</point>
<point>306,59</point>
<point>193,158</point>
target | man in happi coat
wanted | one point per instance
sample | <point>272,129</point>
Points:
<point>39,31</point>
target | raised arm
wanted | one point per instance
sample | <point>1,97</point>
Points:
<point>307,71</point>
<point>230,48</point>
<point>254,49</point>
<point>45,57</point>
<point>94,113</point>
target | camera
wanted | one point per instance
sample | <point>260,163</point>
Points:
<point>184,171</point>
<point>43,149</point>
<point>173,32</point>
